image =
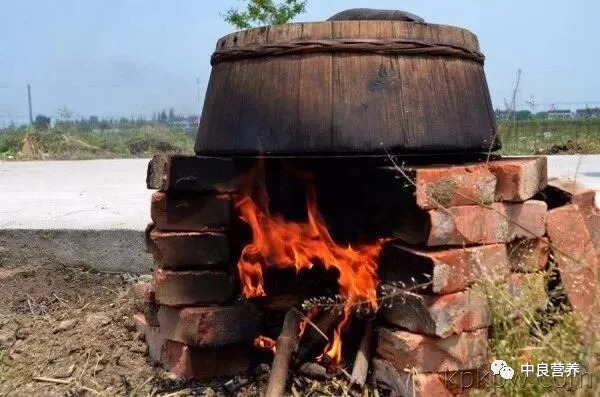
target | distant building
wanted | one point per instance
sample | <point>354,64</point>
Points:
<point>588,113</point>
<point>186,122</point>
<point>560,114</point>
<point>510,115</point>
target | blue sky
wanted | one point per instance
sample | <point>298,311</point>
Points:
<point>132,57</point>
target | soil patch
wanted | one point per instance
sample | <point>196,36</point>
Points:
<point>69,332</point>
<point>74,327</point>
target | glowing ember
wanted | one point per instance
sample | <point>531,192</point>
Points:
<point>282,244</point>
<point>264,342</point>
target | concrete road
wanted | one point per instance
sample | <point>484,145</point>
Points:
<point>112,194</point>
<point>94,212</point>
<point>95,194</point>
<point>89,213</point>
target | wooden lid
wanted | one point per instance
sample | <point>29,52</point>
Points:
<point>371,14</point>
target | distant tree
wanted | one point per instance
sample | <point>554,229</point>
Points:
<point>523,115</point>
<point>93,120</point>
<point>265,12</point>
<point>171,115</point>
<point>105,124</point>
<point>163,117</point>
<point>41,122</point>
<point>65,114</point>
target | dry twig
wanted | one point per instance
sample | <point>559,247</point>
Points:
<point>286,345</point>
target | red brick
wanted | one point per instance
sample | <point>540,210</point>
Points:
<point>519,179</point>
<point>402,383</point>
<point>592,222</point>
<point>189,249</point>
<point>527,291</point>
<point>573,193</point>
<point>450,270</point>
<point>438,315</point>
<point>562,191</point>
<point>154,340</point>
<point>528,255</point>
<point>144,301</point>
<point>575,256</point>
<point>192,362</point>
<point>209,326</point>
<point>175,172</point>
<point>474,224</point>
<point>181,288</point>
<point>200,363</point>
<point>405,350</point>
<point>448,186</point>
<point>196,213</point>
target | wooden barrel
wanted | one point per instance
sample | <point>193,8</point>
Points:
<point>347,87</point>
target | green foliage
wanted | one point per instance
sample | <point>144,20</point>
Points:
<point>265,12</point>
<point>542,136</point>
<point>41,122</point>
<point>10,143</point>
<point>59,144</point>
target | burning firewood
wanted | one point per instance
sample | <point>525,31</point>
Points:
<point>361,362</point>
<point>287,342</point>
<point>315,338</point>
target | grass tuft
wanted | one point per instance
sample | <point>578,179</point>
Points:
<point>525,332</point>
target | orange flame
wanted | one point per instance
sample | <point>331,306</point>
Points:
<point>282,244</point>
<point>334,349</point>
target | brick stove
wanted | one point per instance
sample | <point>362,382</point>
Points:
<point>439,224</point>
<point>290,210</point>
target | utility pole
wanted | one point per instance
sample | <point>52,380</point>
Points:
<point>29,99</point>
<point>198,99</point>
<point>513,101</point>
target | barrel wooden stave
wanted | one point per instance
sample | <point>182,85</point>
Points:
<point>346,102</point>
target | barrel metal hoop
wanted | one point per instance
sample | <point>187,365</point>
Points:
<point>371,46</point>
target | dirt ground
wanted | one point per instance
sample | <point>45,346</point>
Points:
<point>69,332</point>
<point>72,326</point>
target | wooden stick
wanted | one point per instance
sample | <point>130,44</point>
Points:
<point>315,338</point>
<point>314,326</point>
<point>53,380</point>
<point>287,342</point>
<point>361,363</point>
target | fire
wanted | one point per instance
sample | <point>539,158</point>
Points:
<point>334,349</point>
<point>264,342</point>
<point>279,243</point>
